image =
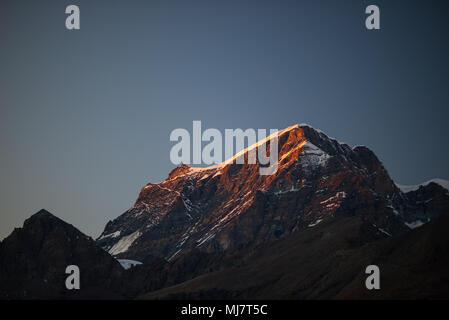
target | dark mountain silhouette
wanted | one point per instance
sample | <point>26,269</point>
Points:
<point>33,260</point>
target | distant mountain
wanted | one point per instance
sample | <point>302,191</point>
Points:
<point>227,205</point>
<point>425,202</point>
<point>441,182</point>
<point>33,260</point>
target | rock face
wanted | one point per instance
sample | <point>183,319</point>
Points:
<point>33,260</point>
<point>227,205</point>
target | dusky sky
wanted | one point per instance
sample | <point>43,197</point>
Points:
<point>85,116</point>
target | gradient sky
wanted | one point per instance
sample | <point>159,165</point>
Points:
<point>85,116</point>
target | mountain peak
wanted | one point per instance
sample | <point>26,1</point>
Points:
<point>219,207</point>
<point>43,213</point>
<point>42,216</point>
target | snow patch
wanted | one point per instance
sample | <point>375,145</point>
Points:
<point>313,156</point>
<point>128,264</point>
<point>292,189</point>
<point>124,243</point>
<point>201,241</point>
<point>415,224</point>
<point>111,235</point>
<point>384,231</point>
<point>315,223</point>
<point>174,255</point>
<point>338,196</point>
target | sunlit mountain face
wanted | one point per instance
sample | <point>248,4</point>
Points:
<point>223,206</point>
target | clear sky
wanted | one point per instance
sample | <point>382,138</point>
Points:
<point>85,116</point>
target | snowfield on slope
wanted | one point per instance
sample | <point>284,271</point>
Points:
<point>124,243</point>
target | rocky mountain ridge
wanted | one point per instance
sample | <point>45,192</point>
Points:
<point>220,207</point>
